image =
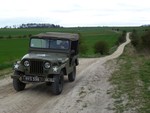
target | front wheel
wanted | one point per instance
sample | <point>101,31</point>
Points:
<point>18,85</point>
<point>72,75</point>
<point>57,85</point>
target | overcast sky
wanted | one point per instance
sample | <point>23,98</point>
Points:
<point>73,13</point>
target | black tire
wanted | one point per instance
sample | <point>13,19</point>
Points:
<point>18,85</point>
<point>72,75</point>
<point>57,85</point>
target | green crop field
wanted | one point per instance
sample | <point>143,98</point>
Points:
<point>14,42</point>
<point>10,50</point>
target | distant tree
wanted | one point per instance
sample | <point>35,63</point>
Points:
<point>29,35</point>
<point>146,40</point>
<point>124,33</point>
<point>39,25</point>
<point>24,36</point>
<point>9,37</point>
<point>14,26</point>
<point>101,47</point>
<point>122,38</point>
<point>19,36</point>
<point>1,37</point>
<point>146,29</point>
<point>117,29</point>
<point>6,27</point>
<point>135,40</point>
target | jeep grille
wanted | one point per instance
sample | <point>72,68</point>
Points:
<point>36,67</point>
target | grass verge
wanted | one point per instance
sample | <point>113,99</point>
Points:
<point>5,72</point>
<point>131,91</point>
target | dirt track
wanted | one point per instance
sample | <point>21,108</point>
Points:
<point>88,94</point>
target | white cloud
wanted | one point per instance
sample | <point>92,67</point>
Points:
<point>75,12</point>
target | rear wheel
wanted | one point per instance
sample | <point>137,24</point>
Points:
<point>72,75</point>
<point>18,85</point>
<point>57,85</point>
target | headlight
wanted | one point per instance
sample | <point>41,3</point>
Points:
<point>26,63</point>
<point>47,65</point>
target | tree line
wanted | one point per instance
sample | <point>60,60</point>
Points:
<point>34,25</point>
<point>39,25</point>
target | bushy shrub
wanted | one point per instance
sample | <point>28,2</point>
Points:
<point>122,38</point>
<point>124,33</point>
<point>101,47</point>
<point>24,36</point>
<point>19,36</point>
<point>141,43</point>
<point>146,40</point>
<point>9,37</point>
<point>29,35</point>
<point>1,37</point>
<point>135,40</point>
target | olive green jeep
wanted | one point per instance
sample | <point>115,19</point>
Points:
<point>51,56</point>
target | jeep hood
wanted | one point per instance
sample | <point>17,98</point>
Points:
<point>52,57</point>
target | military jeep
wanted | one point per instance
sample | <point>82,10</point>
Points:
<point>51,56</point>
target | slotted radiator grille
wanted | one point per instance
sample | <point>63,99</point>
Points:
<point>36,67</point>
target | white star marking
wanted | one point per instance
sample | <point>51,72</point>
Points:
<point>55,69</point>
<point>16,66</point>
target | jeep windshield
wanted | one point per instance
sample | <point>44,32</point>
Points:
<point>49,43</point>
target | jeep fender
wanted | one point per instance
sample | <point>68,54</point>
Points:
<point>58,69</point>
<point>16,74</point>
<point>76,62</point>
<point>18,67</point>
